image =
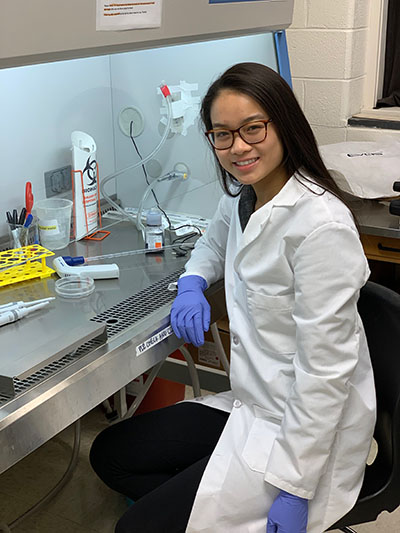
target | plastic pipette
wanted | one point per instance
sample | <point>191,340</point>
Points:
<point>80,259</point>
<point>11,306</point>
<point>65,268</point>
<point>12,316</point>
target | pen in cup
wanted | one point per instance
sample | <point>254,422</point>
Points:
<point>15,217</point>
<point>19,225</point>
<point>22,216</point>
<point>19,233</point>
<point>25,229</point>
<point>15,235</point>
<point>9,218</point>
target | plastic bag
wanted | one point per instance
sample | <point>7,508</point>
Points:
<point>364,169</point>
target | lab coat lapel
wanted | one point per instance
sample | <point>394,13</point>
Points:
<point>287,196</point>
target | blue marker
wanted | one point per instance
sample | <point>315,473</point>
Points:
<point>28,221</point>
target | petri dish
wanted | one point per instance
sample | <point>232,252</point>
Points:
<point>74,286</point>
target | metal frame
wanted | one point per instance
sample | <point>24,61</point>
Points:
<point>282,56</point>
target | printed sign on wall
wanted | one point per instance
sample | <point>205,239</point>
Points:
<point>233,1</point>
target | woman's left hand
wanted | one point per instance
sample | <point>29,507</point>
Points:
<point>288,514</point>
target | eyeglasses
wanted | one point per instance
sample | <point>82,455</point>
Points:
<point>252,133</point>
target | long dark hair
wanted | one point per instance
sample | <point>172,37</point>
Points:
<point>277,99</point>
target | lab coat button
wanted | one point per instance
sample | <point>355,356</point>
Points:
<point>237,403</point>
<point>235,340</point>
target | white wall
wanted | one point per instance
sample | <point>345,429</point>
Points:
<point>135,77</point>
<point>39,108</point>
<point>327,44</point>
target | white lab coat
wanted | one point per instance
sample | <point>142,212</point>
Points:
<point>302,401</point>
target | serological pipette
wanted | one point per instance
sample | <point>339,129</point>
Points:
<point>79,260</point>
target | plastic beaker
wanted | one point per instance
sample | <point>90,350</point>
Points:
<point>54,222</point>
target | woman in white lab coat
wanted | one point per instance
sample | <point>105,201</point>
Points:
<point>301,410</point>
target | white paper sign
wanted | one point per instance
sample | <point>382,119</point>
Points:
<point>122,15</point>
<point>152,341</point>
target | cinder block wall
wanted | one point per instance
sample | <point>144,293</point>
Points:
<point>327,44</point>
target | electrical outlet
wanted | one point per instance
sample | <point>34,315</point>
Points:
<point>58,181</point>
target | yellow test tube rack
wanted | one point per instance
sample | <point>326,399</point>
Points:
<point>21,264</point>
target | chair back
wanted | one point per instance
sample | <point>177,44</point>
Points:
<point>379,308</point>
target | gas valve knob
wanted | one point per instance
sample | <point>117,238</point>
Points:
<point>396,186</point>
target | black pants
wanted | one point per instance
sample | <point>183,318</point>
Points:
<point>157,459</point>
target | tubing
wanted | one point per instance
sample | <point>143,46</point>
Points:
<point>192,371</point>
<point>138,163</point>
<point>95,258</point>
<point>167,177</point>
<point>60,485</point>
<point>220,348</point>
<point>138,400</point>
<point>139,223</point>
<point>153,374</point>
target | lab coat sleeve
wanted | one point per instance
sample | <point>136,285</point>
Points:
<point>329,270</point>
<point>208,257</point>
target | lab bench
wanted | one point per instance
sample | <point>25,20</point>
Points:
<point>58,364</point>
<point>380,230</point>
<point>380,237</point>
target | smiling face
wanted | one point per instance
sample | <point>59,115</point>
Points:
<point>258,164</point>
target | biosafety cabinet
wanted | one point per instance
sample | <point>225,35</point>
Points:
<point>58,74</point>
<point>48,30</point>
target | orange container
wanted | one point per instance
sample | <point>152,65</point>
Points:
<point>162,393</point>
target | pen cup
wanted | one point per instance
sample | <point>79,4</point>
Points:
<point>20,236</point>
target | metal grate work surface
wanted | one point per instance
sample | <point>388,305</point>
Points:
<point>138,306</point>
<point>117,318</point>
<point>21,385</point>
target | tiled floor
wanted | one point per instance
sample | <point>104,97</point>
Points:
<point>85,505</point>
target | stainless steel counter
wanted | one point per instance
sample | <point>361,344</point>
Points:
<point>56,365</point>
<point>374,218</point>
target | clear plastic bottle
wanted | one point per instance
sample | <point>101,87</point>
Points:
<point>154,232</point>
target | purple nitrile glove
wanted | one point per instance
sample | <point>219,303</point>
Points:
<point>288,514</point>
<point>190,312</point>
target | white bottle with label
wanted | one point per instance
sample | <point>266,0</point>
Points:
<point>154,232</point>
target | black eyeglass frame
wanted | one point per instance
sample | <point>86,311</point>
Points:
<point>237,130</point>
